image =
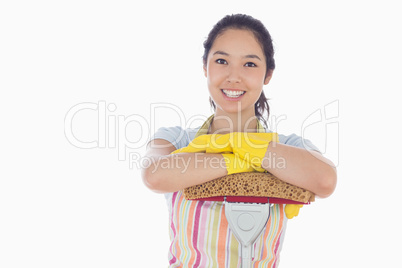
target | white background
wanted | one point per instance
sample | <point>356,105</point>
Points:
<point>65,206</point>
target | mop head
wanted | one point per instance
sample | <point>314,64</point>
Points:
<point>249,184</point>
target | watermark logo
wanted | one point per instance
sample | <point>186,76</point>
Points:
<point>129,134</point>
<point>112,129</point>
<point>322,127</point>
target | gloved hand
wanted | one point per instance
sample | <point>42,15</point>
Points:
<point>234,164</point>
<point>292,210</point>
<point>220,143</point>
<point>209,143</point>
<point>252,146</point>
<point>217,143</point>
<point>198,145</point>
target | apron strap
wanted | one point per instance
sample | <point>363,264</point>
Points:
<point>205,127</point>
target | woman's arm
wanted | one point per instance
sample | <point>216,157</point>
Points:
<point>167,172</point>
<point>300,167</point>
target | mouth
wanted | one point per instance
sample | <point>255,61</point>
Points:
<point>233,94</point>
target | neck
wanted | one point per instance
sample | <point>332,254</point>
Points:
<point>237,122</point>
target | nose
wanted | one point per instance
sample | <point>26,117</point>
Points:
<point>234,75</point>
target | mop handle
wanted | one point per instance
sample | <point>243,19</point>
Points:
<point>247,221</point>
<point>246,256</point>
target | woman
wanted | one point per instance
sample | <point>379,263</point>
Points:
<point>238,62</point>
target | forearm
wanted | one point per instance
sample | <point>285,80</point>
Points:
<point>176,172</point>
<point>300,167</point>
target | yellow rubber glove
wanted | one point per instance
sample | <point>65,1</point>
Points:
<point>209,143</point>
<point>220,143</point>
<point>198,145</point>
<point>252,146</point>
<point>217,143</point>
<point>234,164</point>
<point>292,210</point>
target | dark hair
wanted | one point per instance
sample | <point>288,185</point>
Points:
<point>245,22</point>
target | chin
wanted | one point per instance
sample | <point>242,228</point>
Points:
<point>234,108</point>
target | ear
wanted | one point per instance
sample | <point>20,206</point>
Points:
<point>204,67</point>
<point>268,76</point>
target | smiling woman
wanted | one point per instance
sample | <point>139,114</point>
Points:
<point>261,35</point>
<point>238,62</point>
<point>236,73</point>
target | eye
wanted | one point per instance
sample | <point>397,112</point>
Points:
<point>250,64</point>
<point>221,61</point>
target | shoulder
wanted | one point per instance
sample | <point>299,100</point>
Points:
<point>176,135</point>
<point>297,141</point>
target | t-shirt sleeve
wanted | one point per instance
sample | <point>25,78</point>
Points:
<point>297,141</point>
<point>177,136</point>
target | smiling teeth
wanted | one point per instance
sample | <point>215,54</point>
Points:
<point>233,94</point>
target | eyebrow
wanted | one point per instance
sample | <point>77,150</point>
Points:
<point>221,53</point>
<point>250,56</point>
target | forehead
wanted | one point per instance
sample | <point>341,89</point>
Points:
<point>237,42</point>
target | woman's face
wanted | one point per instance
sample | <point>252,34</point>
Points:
<point>236,71</point>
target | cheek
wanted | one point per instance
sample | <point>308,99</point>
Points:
<point>257,77</point>
<point>257,81</point>
<point>214,74</point>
